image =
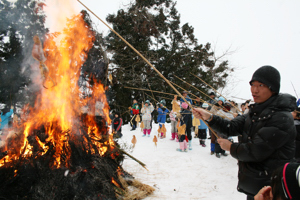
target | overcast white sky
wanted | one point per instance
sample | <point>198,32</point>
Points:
<point>262,32</point>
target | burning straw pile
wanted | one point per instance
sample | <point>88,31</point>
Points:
<point>57,152</point>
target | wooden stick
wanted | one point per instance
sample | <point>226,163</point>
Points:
<point>194,87</point>
<point>133,158</point>
<point>148,90</point>
<point>136,51</point>
<point>215,90</point>
<point>294,90</point>
<point>206,102</point>
<point>241,98</point>
<point>157,101</point>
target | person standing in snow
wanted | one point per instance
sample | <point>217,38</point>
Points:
<point>212,100</point>
<point>162,115</point>
<point>214,110</point>
<point>296,116</point>
<point>6,114</point>
<point>266,133</point>
<point>135,110</point>
<point>186,118</point>
<point>173,117</point>
<point>117,126</point>
<point>202,129</point>
<point>186,96</point>
<point>146,117</point>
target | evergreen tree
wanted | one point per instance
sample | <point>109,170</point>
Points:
<point>20,21</point>
<point>153,28</point>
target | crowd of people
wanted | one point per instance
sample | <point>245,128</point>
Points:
<point>268,132</point>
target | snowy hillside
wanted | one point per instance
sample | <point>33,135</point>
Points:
<point>181,175</point>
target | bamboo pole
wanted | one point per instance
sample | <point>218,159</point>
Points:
<point>154,68</point>
<point>193,87</point>
<point>223,116</point>
<point>148,90</point>
<point>157,101</point>
<point>241,98</point>
<point>215,90</point>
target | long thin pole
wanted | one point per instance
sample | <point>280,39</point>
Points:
<point>214,90</point>
<point>154,68</point>
<point>295,90</point>
<point>148,90</point>
<point>200,98</point>
<point>193,87</point>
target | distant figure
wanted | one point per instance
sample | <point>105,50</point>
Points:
<point>162,115</point>
<point>186,96</point>
<point>146,111</point>
<point>117,126</point>
<point>296,115</point>
<point>6,117</point>
<point>135,110</point>
<point>212,100</point>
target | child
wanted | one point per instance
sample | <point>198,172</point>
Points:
<point>162,115</point>
<point>6,117</point>
<point>135,110</point>
<point>202,129</point>
<point>146,117</point>
<point>187,120</point>
<point>117,126</point>
<point>173,113</point>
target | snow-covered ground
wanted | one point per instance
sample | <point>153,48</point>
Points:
<point>180,175</point>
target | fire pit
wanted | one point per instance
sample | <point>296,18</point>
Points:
<point>57,152</point>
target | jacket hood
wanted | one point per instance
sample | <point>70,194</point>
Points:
<point>285,102</point>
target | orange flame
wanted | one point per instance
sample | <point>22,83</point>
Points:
<point>58,108</point>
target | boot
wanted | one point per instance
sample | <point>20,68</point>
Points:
<point>185,145</point>
<point>173,136</point>
<point>133,128</point>
<point>218,155</point>
<point>144,131</point>
<point>161,135</point>
<point>148,131</point>
<point>203,143</point>
<point>181,147</point>
<point>224,154</point>
<point>212,148</point>
<point>176,136</point>
<point>190,145</point>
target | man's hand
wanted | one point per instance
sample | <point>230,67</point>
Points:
<point>225,144</point>
<point>201,113</point>
<point>264,194</point>
<point>12,107</point>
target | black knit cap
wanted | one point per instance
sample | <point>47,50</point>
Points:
<point>269,76</point>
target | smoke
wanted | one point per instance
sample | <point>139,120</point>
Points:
<point>58,12</point>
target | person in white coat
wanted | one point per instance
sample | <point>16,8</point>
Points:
<point>146,117</point>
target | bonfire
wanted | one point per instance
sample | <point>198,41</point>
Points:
<point>56,151</point>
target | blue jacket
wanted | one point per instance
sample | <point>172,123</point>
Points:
<point>298,102</point>
<point>202,125</point>
<point>188,99</point>
<point>5,119</point>
<point>162,115</point>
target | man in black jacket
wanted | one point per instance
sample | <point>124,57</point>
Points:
<point>266,134</point>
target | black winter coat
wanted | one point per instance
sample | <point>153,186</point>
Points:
<point>266,140</point>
